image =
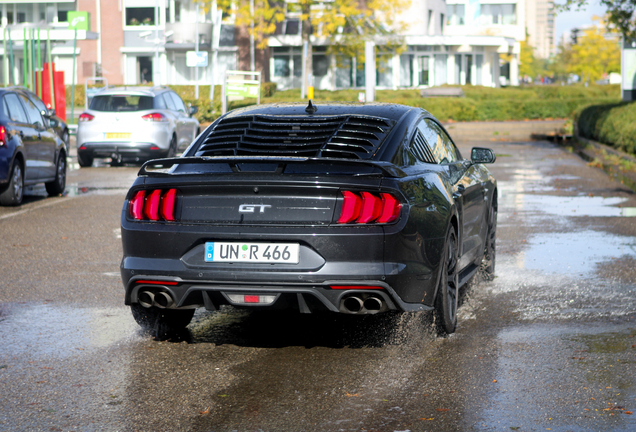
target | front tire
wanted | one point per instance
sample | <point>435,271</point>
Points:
<point>57,186</point>
<point>448,289</point>
<point>12,196</point>
<point>490,254</point>
<point>172,150</point>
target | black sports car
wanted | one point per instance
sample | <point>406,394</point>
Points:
<point>348,208</point>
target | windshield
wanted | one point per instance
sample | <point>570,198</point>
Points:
<point>121,103</point>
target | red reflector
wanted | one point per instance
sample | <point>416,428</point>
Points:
<point>3,136</point>
<point>371,208</point>
<point>251,299</point>
<point>149,282</point>
<point>137,205</point>
<point>82,148</point>
<point>356,287</point>
<point>155,117</point>
<point>390,208</point>
<point>154,148</point>
<point>350,207</point>
<point>84,117</point>
<point>168,203</point>
<point>151,207</point>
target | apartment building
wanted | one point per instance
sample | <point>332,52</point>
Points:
<point>447,42</point>
<point>125,41</point>
<point>541,27</point>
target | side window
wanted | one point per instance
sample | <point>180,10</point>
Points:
<point>420,149</point>
<point>33,112</point>
<point>158,102</point>
<point>15,110</point>
<point>39,104</point>
<point>169,102</point>
<point>178,102</point>
<point>439,142</point>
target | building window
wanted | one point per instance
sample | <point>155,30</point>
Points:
<point>455,14</point>
<point>140,16</point>
<point>281,66</point>
<point>498,14</point>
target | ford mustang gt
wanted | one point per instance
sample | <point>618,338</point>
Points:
<point>346,208</point>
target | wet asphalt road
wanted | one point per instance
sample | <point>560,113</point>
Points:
<point>548,345</point>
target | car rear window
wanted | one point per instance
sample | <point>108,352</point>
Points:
<point>116,103</point>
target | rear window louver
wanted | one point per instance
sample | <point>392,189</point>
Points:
<point>348,137</point>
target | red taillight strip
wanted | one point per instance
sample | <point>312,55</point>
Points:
<point>369,207</point>
<point>350,207</point>
<point>151,282</point>
<point>153,205</point>
<point>390,208</point>
<point>168,205</point>
<point>356,287</point>
<point>137,205</point>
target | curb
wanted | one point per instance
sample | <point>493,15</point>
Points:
<point>595,151</point>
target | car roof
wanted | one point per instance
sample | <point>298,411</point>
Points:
<point>390,111</point>
<point>132,90</point>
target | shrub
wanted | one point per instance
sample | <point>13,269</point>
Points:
<point>609,123</point>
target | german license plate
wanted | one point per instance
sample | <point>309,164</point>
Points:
<point>118,135</point>
<point>287,253</point>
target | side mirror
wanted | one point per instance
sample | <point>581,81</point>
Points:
<point>482,155</point>
<point>51,112</point>
<point>193,110</point>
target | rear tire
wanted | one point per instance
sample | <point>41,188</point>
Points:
<point>84,161</point>
<point>58,185</point>
<point>448,289</point>
<point>12,196</point>
<point>161,321</point>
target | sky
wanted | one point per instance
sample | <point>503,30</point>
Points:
<point>568,20</point>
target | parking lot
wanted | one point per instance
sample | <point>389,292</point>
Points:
<point>548,345</point>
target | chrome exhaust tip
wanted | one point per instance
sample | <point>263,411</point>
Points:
<point>146,299</point>
<point>163,300</point>
<point>373,304</point>
<point>353,304</point>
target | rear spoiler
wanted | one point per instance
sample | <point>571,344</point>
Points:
<point>161,167</point>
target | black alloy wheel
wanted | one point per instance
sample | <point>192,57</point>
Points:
<point>161,321</point>
<point>490,254</point>
<point>14,192</point>
<point>448,289</point>
<point>57,186</point>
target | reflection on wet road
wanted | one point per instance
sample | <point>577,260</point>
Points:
<point>550,344</point>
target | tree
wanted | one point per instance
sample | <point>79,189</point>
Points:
<point>595,55</point>
<point>344,24</point>
<point>620,14</point>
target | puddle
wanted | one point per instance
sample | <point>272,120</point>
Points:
<point>45,330</point>
<point>575,206</point>
<point>574,253</point>
<point>74,190</point>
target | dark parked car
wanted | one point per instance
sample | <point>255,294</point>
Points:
<point>348,208</point>
<point>30,150</point>
<point>59,126</point>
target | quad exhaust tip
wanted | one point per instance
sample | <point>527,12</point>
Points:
<point>358,304</point>
<point>160,299</point>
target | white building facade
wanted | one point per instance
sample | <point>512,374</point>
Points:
<point>447,42</point>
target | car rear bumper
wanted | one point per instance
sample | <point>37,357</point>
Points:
<point>121,150</point>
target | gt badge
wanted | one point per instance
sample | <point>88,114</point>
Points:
<point>251,208</point>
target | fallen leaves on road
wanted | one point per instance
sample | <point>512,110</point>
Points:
<point>352,395</point>
<point>205,412</point>
<point>427,419</point>
<point>442,409</point>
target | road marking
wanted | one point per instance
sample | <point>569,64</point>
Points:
<point>48,202</point>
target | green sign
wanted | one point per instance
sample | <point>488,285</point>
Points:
<point>79,20</point>
<point>242,88</point>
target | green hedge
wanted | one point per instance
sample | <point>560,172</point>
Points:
<point>613,124</point>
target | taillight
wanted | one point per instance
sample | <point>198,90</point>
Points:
<point>85,117</point>
<point>155,117</point>
<point>369,207</point>
<point>3,136</point>
<point>153,205</point>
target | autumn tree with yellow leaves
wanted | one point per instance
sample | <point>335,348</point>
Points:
<point>344,24</point>
<point>595,55</point>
